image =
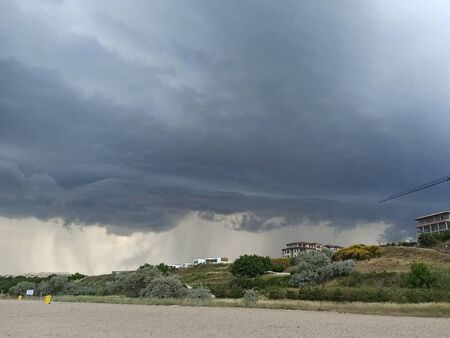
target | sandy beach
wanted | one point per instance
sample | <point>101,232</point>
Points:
<point>35,319</point>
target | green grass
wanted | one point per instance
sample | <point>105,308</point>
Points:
<point>417,310</point>
<point>206,274</point>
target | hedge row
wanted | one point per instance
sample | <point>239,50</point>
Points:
<point>393,295</point>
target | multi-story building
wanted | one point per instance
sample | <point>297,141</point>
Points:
<point>433,223</point>
<point>294,248</point>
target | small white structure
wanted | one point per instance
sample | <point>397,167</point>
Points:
<point>199,261</point>
<point>181,265</point>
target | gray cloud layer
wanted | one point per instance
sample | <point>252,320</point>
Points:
<point>135,115</point>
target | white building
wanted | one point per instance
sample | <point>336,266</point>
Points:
<point>294,248</point>
<point>433,223</point>
<point>198,261</point>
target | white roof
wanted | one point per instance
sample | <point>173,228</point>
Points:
<point>431,215</point>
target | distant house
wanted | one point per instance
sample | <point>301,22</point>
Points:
<point>433,223</point>
<point>198,261</point>
<point>294,248</point>
<point>181,265</point>
<point>211,260</point>
<point>332,247</point>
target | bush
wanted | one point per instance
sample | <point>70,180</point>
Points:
<point>57,284</point>
<point>316,267</point>
<point>250,266</point>
<point>236,292</point>
<point>164,287</point>
<point>280,264</point>
<point>165,269</point>
<point>75,289</point>
<point>276,293</point>
<point>290,294</point>
<point>278,268</point>
<point>44,288</point>
<point>131,284</point>
<point>201,293</point>
<point>261,282</point>
<point>76,276</point>
<point>427,240</point>
<point>343,268</point>
<point>20,288</point>
<point>311,267</point>
<point>251,297</point>
<point>420,276</point>
<point>358,252</point>
<point>393,295</point>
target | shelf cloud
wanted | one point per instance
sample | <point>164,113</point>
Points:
<point>133,117</point>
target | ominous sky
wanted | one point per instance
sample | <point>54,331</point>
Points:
<point>259,119</point>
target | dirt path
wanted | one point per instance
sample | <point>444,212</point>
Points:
<point>35,319</point>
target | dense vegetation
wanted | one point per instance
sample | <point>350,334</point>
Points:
<point>251,266</point>
<point>358,252</point>
<point>316,267</point>
<point>427,240</point>
<point>312,276</point>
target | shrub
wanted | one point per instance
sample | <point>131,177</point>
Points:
<point>131,284</point>
<point>44,288</point>
<point>432,239</point>
<point>343,268</point>
<point>251,297</point>
<point>227,290</point>
<point>290,294</point>
<point>358,252</point>
<point>280,264</point>
<point>236,292</point>
<point>427,240</point>
<point>316,267</point>
<point>57,284</point>
<point>261,282</point>
<point>278,268</point>
<point>250,266</point>
<point>76,276</point>
<point>75,289</point>
<point>165,269</point>
<point>393,295</point>
<point>21,287</point>
<point>164,287</point>
<point>276,293</point>
<point>201,293</point>
<point>420,276</point>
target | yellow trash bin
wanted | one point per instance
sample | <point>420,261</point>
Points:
<point>47,299</point>
<point>19,297</point>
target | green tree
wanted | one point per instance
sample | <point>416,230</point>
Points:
<point>250,266</point>
<point>427,240</point>
<point>21,287</point>
<point>165,269</point>
<point>57,284</point>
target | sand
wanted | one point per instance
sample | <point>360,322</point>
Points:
<point>35,319</point>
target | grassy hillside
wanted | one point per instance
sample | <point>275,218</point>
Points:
<point>399,259</point>
<point>206,274</point>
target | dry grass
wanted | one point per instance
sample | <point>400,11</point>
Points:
<point>417,310</point>
<point>399,259</point>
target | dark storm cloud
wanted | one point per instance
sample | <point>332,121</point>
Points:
<point>301,111</point>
